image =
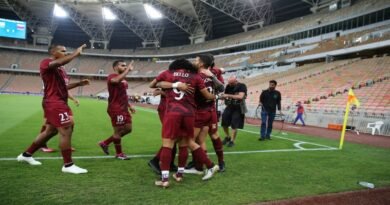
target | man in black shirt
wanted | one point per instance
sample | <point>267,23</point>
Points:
<point>234,113</point>
<point>269,99</point>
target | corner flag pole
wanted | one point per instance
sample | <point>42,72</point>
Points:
<point>344,126</point>
<point>351,99</point>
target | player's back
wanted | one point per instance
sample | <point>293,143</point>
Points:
<point>179,102</point>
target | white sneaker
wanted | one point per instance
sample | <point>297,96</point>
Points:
<point>210,172</point>
<point>74,170</point>
<point>193,171</point>
<point>29,160</point>
<point>162,184</point>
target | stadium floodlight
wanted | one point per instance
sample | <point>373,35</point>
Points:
<point>107,14</point>
<point>59,11</point>
<point>152,12</point>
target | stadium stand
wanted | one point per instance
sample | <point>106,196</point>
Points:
<point>312,82</point>
<point>283,28</point>
<point>257,56</point>
<point>24,84</point>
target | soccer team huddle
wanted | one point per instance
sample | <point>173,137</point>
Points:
<point>187,112</point>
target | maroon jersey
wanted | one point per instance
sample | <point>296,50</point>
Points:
<point>54,82</point>
<point>117,99</point>
<point>202,104</point>
<point>162,104</point>
<point>217,72</point>
<point>178,102</point>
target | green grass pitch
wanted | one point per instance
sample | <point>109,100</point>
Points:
<point>256,171</point>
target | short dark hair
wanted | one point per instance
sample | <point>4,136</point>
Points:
<point>207,60</point>
<point>273,81</point>
<point>182,63</point>
<point>52,46</point>
<point>115,63</point>
<point>212,59</point>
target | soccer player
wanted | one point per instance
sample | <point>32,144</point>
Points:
<point>118,108</point>
<point>213,131</point>
<point>55,105</point>
<point>206,121</point>
<point>154,163</point>
<point>178,123</point>
<point>44,147</point>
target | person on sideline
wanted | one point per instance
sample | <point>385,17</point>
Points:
<point>269,100</point>
<point>234,114</point>
<point>300,112</point>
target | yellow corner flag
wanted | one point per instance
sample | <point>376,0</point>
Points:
<point>351,100</point>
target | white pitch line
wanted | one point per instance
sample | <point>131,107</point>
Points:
<point>279,150</point>
<point>293,140</point>
<point>326,148</point>
<point>298,145</point>
<point>151,155</point>
<point>249,131</point>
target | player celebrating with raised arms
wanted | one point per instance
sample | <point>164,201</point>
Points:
<point>118,108</point>
<point>55,105</point>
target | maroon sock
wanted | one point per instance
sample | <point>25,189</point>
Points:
<point>217,144</point>
<point>118,146</point>
<point>43,128</point>
<point>158,154</point>
<point>108,140</point>
<point>197,162</point>
<point>165,158</point>
<point>183,155</point>
<point>194,158</point>
<point>199,153</point>
<point>174,150</point>
<point>33,148</point>
<point>67,156</point>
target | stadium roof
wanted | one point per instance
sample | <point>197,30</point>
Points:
<point>182,19</point>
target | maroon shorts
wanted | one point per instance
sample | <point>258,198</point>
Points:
<point>202,118</point>
<point>207,118</point>
<point>161,113</point>
<point>119,118</point>
<point>177,126</point>
<point>58,114</point>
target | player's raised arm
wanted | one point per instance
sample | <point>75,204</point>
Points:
<point>219,87</point>
<point>63,58</point>
<point>122,75</point>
